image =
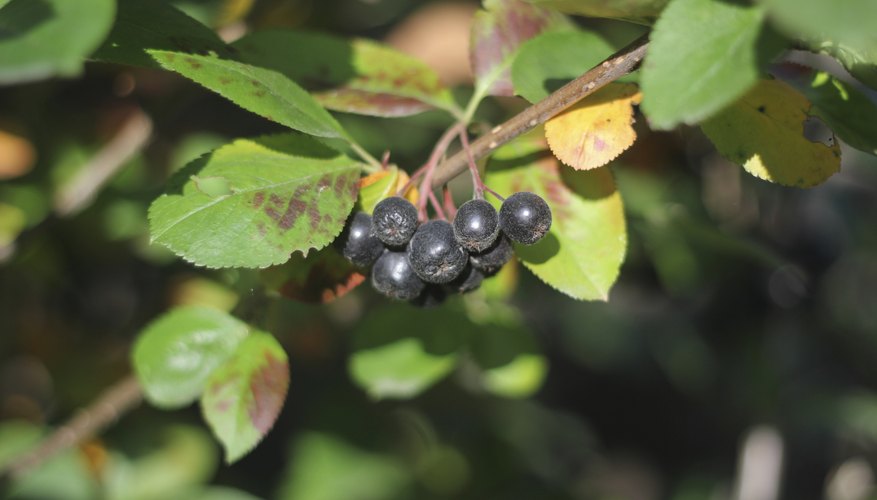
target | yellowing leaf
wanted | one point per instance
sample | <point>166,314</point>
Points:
<point>764,132</point>
<point>595,131</point>
<point>383,184</point>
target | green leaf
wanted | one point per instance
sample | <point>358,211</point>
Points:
<point>848,112</point>
<point>44,38</point>
<point>498,32</point>
<point>382,184</point>
<point>143,25</point>
<point>354,76</point>
<point>860,62</point>
<point>510,363</point>
<point>175,354</point>
<point>703,55</point>
<point>267,93</point>
<point>400,351</point>
<point>244,396</point>
<point>635,10</point>
<point>764,132</point>
<point>583,251</point>
<point>549,61</point>
<point>285,193</point>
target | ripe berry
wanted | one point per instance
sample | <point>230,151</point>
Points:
<point>524,218</point>
<point>470,279</point>
<point>394,220</point>
<point>476,225</point>
<point>358,242</point>
<point>434,253</point>
<point>393,277</point>
<point>491,260</point>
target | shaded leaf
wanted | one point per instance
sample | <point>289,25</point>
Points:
<point>764,132</point>
<point>244,396</point>
<point>44,38</point>
<point>175,354</point>
<point>597,129</point>
<point>498,32</point>
<point>511,365</point>
<point>636,10</point>
<point>292,194</point>
<point>321,277</point>
<point>703,56</point>
<point>355,76</point>
<point>583,251</point>
<point>860,62</point>
<point>267,93</point>
<point>848,112</point>
<point>383,184</point>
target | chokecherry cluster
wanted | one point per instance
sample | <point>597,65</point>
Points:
<point>423,262</point>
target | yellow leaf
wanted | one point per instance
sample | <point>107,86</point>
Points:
<point>595,131</point>
<point>764,132</point>
<point>383,184</point>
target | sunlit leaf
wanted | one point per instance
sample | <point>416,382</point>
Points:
<point>764,132</point>
<point>638,10</point>
<point>245,394</point>
<point>597,129</point>
<point>175,354</point>
<point>320,277</point>
<point>282,194</point>
<point>383,184</point>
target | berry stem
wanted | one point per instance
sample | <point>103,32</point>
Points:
<point>450,208</point>
<point>494,193</point>
<point>477,183</point>
<point>440,148</point>
<point>437,206</point>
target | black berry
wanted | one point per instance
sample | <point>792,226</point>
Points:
<point>470,279</point>
<point>431,296</point>
<point>434,253</point>
<point>358,242</point>
<point>394,221</point>
<point>491,260</point>
<point>524,218</point>
<point>476,225</point>
<point>393,277</point>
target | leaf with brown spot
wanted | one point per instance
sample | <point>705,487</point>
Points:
<point>596,130</point>
<point>320,277</point>
<point>244,396</point>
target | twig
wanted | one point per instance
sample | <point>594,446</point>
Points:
<point>120,398</point>
<point>619,64</point>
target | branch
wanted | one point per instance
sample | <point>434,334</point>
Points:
<point>617,65</point>
<point>120,398</point>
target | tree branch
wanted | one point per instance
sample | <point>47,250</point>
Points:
<point>617,65</point>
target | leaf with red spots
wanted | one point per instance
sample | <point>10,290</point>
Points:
<point>498,32</point>
<point>354,76</point>
<point>583,251</point>
<point>254,202</point>
<point>320,277</point>
<point>244,396</point>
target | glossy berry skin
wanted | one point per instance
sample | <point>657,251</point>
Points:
<point>476,225</point>
<point>392,276</point>
<point>358,243</point>
<point>491,260</point>
<point>525,218</point>
<point>434,253</point>
<point>470,279</point>
<point>394,220</point>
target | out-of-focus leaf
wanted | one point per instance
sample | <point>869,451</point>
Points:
<point>354,76</point>
<point>44,38</point>
<point>597,129</point>
<point>216,13</point>
<point>321,277</point>
<point>498,32</point>
<point>197,290</point>
<point>244,396</point>
<point>848,112</point>
<point>703,56</point>
<point>583,251</point>
<point>175,354</point>
<point>293,195</point>
<point>510,363</point>
<point>860,62</point>
<point>12,221</point>
<point>265,92</point>
<point>375,187</point>
<point>17,155</point>
<point>635,10</point>
<point>547,62</point>
<point>764,132</point>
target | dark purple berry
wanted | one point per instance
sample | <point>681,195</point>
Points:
<point>431,296</point>
<point>476,225</point>
<point>525,218</point>
<point>392,276</point>
<point>434,253</point>
<point>358,242</point>
<point>470,279</point>
<point>394,220</point>
<point>491,260</point>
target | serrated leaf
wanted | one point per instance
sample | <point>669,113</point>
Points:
<point>703,55</point>
<point>355,76</point>
<point>321,277</point>
<point>143,25</point>
<point>550,60</point>
<point>175,354</point>
<point>383,184</point>
<point>498,32</point>
<point>848,112</point>
<point>583,251</point>
<point>764,132</point>
<point>400,351</point>
<point>244,396</point>
<point>635,10</point>
<point>44,38</point>
<point>287,193</point>
<point>510,363</point>
<point>267,93</point>
<point>597,129</point>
